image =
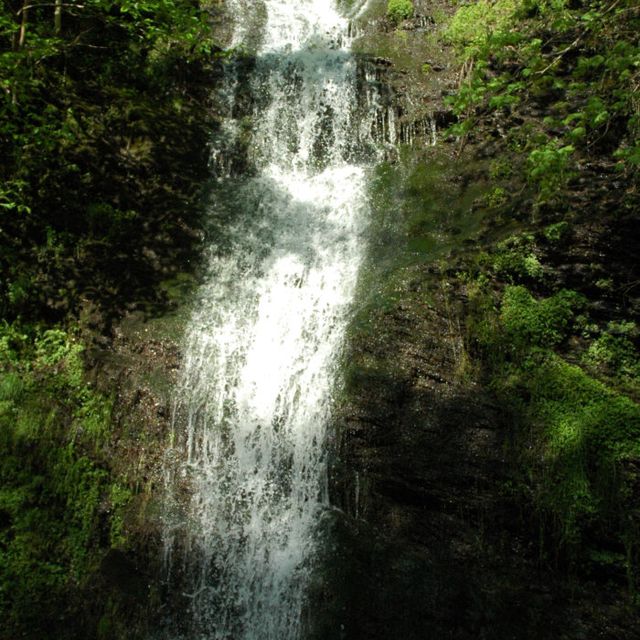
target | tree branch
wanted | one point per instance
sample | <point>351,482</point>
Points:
<point>48,4</point>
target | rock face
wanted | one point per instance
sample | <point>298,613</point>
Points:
<point>419,469</point>
<point>138,368</point>
<point>431,543</point>
<point>431,537</point>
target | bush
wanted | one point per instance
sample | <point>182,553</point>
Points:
<point>549,167</point>
<point>474,23</point>
<point>541,323</point>
<point>399,10</point>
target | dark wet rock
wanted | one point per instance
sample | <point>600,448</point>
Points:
<point>120,573</point>
<point>430,539</point>
<point>434,66</point>
<point>419,471</point>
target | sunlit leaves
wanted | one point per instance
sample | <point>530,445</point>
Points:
<point>12,197</point>
<point>578,62</point>
<point>549,167</point>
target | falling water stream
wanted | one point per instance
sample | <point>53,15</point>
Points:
<point>263,345</point>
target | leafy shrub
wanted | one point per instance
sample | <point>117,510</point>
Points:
<point>549,167</point>
<point>474,23</point>
<point>511,59</point>
<point>399,10</point>
<point>530,322</point>
<point>515,259</point>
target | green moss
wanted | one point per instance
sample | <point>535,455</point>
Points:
<point>11,387</point>
<point>54,476</point>
<point>420,213</point>
<point>54,349</point>
<point>500,169</point>
<point>119,498</point>
<point>106,628</point>
<point>179,287</point>
<point>573,435</point>
<point>582,434</point>
<point>529,322</point>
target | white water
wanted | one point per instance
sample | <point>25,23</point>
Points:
<point>263,346</point>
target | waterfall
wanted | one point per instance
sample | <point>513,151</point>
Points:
<point>262,347</point>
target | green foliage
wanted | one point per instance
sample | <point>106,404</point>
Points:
<point>399,10</point>
<point>60,142</point>
<point>498,197</point>
<point>585,431</point>
<point>554,233</point>
<point>576,435</point>
<point>529,322</point>
<point>578,63</point>
<point>615,355</point>
<point>97,129</point>
<point>54,476</point>
<point>500,169</point>
<point>549,168</point>
<point>515,260</point>
<point>119,498</point>
<point>473,24</point>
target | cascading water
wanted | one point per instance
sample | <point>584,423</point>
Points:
<point>263,345</point>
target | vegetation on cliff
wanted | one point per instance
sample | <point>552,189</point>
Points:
<point>95,107</point>
<point>58,501</point>
<point>562,78</point>
<point>522,243</point>
<point>553,313</point>
<point>103,127</point>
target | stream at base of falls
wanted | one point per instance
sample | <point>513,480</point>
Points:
<point>262,350</point>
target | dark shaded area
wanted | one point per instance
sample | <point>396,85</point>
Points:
<point>105,163</point>
<point>435,538</point>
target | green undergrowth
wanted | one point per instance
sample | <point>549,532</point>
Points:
<point>571,385</point>
<point>562,79</point>
<point>60,507</point>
